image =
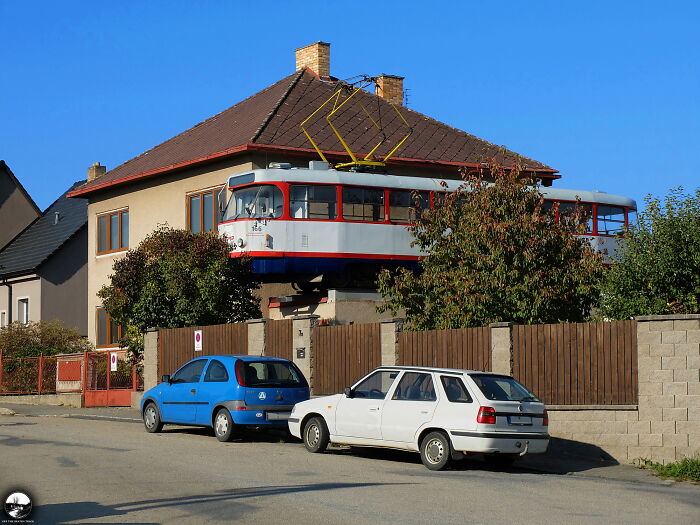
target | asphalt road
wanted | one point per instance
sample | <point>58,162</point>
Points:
<point>85,469</point>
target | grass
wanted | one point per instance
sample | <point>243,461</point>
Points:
<point>687,469</point>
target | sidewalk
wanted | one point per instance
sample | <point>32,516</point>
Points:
<point>561,458</point>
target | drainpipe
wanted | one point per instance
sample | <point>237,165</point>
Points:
<point>9,299</point>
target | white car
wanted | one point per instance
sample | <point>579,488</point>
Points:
<point>441,413</point>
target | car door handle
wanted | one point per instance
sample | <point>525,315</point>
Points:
<point>193,391</point>
<point>423,411</point>
<point>373,409</point>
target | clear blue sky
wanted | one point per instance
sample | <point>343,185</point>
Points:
<point>608,92</point>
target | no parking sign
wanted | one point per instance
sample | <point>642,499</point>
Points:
<point>113,361</point>
<point>197,340</point>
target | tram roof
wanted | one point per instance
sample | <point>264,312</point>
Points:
<point>331,176</point>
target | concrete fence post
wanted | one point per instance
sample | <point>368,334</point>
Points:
<point>389,337</point>
<point>150,358</point>
<point>256,336</point>
<point>302,348</point>
<point>502,348</point>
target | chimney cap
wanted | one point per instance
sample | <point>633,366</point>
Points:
<point>391,76</point>
<point>313,44</point>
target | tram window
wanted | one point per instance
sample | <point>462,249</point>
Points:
<point>611,219</point>
<point>255,202</point>
<point>363,204</point>
<point>313,202</point>
<point>406,205</point>
<point>568,209</point>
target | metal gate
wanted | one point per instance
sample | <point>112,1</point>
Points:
<point>109,379</point>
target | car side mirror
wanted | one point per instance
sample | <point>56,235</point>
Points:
<point>348,392</point>
<point>165,379</point>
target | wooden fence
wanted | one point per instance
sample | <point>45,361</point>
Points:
<point>176,345</point>
<point>466,348</point>
<point>278,339</point>
<point>343,354</point>
<point>578,363</point>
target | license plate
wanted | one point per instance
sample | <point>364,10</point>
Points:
<point>519,420</point>
<point>278,416</point>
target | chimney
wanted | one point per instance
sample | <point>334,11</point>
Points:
<point>390,87</point>
<point>96,171</point>
<point>317,57</point>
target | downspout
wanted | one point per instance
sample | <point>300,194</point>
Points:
<point>9,299</point>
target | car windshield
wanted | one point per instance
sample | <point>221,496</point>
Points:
<point>255,202</point>
<point>501,388</point>
<point>273,374</point>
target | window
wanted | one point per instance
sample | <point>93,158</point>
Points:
<point>363,204</point>
<point>3,319</point>
<point>113,231</point>
<point>190,373</point>
<point>313,202</point>
<point>202,211</point>
<point>108,332</point>
<point>406,205</point>
<point>567,210</point>
<point>276,374</point>
<point>611,219</point>
<point>255,202</point>
<point>23,310</point>
<point>376,386</point>
<point>455,389</point>
<point>415,387</point>
<point>216,373</point>
<point>500,388</point>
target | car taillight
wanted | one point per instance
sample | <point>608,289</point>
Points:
<point>486,415</point>
<point>545,419</point>
<point>240,373</point>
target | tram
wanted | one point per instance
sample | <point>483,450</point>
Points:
<point>319,224</point>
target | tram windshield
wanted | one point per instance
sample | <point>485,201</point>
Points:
<point>255,202</point>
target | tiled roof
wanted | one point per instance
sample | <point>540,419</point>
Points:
<point>270,119</point>
<point>31,248</point>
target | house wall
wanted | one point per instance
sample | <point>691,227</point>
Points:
<point>16,211</point>
<point>22,288</point>
<point>152,203</point>
<point>64,284</point>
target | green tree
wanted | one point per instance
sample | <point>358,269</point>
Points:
<point>493,253</point>
<point>176,278</point>
<point>657,268</point>
<point>41,338</point>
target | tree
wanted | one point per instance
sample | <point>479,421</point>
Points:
<point>657,268</point>
<point>493,253</point>
<point>41,338</point>
<point>176,278</point>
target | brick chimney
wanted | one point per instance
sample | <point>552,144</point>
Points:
<point>95,171</point>
<point>390,87</point>
<point>317,57</point>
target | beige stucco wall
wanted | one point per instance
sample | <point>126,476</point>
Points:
<point>152,203</point>
<point>30,289</point>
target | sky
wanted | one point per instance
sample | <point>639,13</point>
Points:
<point>607,92</point>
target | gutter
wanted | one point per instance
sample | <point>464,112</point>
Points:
<point>304,152</point>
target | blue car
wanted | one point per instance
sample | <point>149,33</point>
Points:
<point>224,392</point>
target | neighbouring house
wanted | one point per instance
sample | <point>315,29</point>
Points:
<point>43,270</point>
<point>177,182</point>
<point>17,208</point>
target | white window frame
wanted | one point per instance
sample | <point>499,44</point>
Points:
<point>20,300</point>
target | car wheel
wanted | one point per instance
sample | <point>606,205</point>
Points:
<point>223,425</point>
<point>435,451</point>
<point>501,460</point>
<point>151,418</point>
<point>316,435</point>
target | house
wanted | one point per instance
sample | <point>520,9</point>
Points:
<point>17,208</point>
<point>177,182</point>
<point>43,270</point>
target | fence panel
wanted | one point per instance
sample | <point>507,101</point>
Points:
<point>578,363</point>
<point>343,354</point>
<point>278,339</point>
<point>465,348</point>
<point>176,345</point>
<point>39,375</point>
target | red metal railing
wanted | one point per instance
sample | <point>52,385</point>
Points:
<point>39,375</point>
